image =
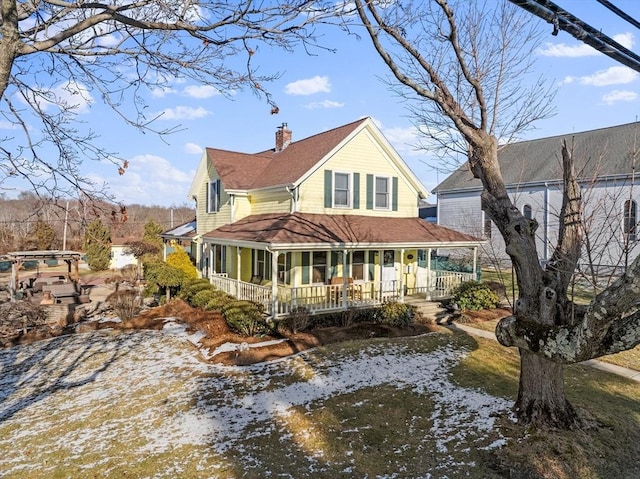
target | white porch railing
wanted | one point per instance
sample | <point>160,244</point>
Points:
<point>446,282</point>
<point>323,298</point>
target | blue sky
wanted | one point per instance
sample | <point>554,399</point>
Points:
<point>328,89</point>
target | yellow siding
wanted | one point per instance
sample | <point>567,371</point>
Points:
<point>361,155</point>
<point>209,221</point>
<point>279,202</point>
<point>243,207</point>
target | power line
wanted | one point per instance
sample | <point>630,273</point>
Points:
<point>619,12</point>
<point>563,20</point>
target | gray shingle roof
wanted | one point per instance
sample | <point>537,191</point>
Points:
<point>604,152</point>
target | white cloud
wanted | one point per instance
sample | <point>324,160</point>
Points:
<point>149,180</point>
<point>566,80</point>
<point>619,95</point>
<point>200,91</point>
<point>618,75</point>
<point>323,104</point>
<point>309,86</point>
<point>562,50</point>
<point>193,149</point>
<point>183,113</point>
<point>161,92</point>
<point>71,95</point>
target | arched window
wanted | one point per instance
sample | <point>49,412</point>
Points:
<point>527,212</point>
<point>630,220</point>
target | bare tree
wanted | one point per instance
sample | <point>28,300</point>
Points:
<point>56,56</point>
<point>466,67</point>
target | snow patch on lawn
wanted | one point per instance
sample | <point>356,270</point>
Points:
<point>182,401</point>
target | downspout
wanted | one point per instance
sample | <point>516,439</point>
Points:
<point>293,192</point>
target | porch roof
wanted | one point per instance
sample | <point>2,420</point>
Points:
<point>317,231</point>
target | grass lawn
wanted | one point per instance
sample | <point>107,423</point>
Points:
<point>628,359</point>
<point>142,405</point>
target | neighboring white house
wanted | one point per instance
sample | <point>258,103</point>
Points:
<point>606,163</point>
<point>119,256</point>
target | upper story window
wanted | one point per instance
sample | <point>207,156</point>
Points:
<point>527,212</point>
<point>382,192</point>
<point>213,196</point>
<point>630,220</point>
<point>342,190</point>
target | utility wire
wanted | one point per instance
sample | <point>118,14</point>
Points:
<point>563,20</point>
<point>619,12</point>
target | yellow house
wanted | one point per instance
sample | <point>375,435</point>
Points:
<point>325,223</point>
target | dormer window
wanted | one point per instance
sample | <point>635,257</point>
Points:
<point>213,196</point>
<point>341,190</point>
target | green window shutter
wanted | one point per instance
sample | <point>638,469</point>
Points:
<point>369,192</point>
<point>206,199</point>
<point>356,191</point>
<point>305,267</point>
<point>328,188</point>
<point>394,194</point>
<point>334,264</point>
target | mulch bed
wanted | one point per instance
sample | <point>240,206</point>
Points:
<point>217,332</point>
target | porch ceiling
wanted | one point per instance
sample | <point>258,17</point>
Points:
<point>299,230</point>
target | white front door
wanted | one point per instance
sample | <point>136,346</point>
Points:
<point>388,276</point>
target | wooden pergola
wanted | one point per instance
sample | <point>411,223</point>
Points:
<point>17,258</point>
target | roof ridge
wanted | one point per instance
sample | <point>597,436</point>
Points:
<point>315,135</point>
<point>560,135</point>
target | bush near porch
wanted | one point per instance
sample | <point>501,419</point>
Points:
<point>247,318</point>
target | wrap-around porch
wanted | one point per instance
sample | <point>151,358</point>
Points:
<point>336,297</point>
<point>331,262</point>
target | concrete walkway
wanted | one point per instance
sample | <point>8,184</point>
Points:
<point>594,363</point>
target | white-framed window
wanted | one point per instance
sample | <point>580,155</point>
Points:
<point>319,267</point>
<point>630,220</point>
<point>213,196</point>
<point>284,268</point>
<point>219,258</point>
<point>358,265</point>
<point>382,192</point>
<point>341,190</point>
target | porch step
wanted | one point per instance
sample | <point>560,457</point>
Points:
<point>428,309</point>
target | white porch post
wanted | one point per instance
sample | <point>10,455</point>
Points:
<point>274,284</point>
<point>402,275</point>
<point>238,269</point>
<point>475,262</point>
<point>213,249</point>
<point>428,297</point>
<point>344,279</point>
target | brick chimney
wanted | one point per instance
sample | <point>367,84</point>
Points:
<point>283,137</point>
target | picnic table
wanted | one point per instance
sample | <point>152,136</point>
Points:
<point>60,292</point>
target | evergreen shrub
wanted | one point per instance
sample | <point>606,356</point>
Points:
<point>475,296</point>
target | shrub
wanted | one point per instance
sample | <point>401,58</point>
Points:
<point>245,317</point>
<point>126,303</point>
<point>475,296</point>
<point>190,290</point>
<point>202,298</point>
<point>219,301</point>
<point>298,320</point>
<point>396,314</point>
<point>179,259</point>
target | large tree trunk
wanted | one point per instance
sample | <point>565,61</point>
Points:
<point>541,399</point>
